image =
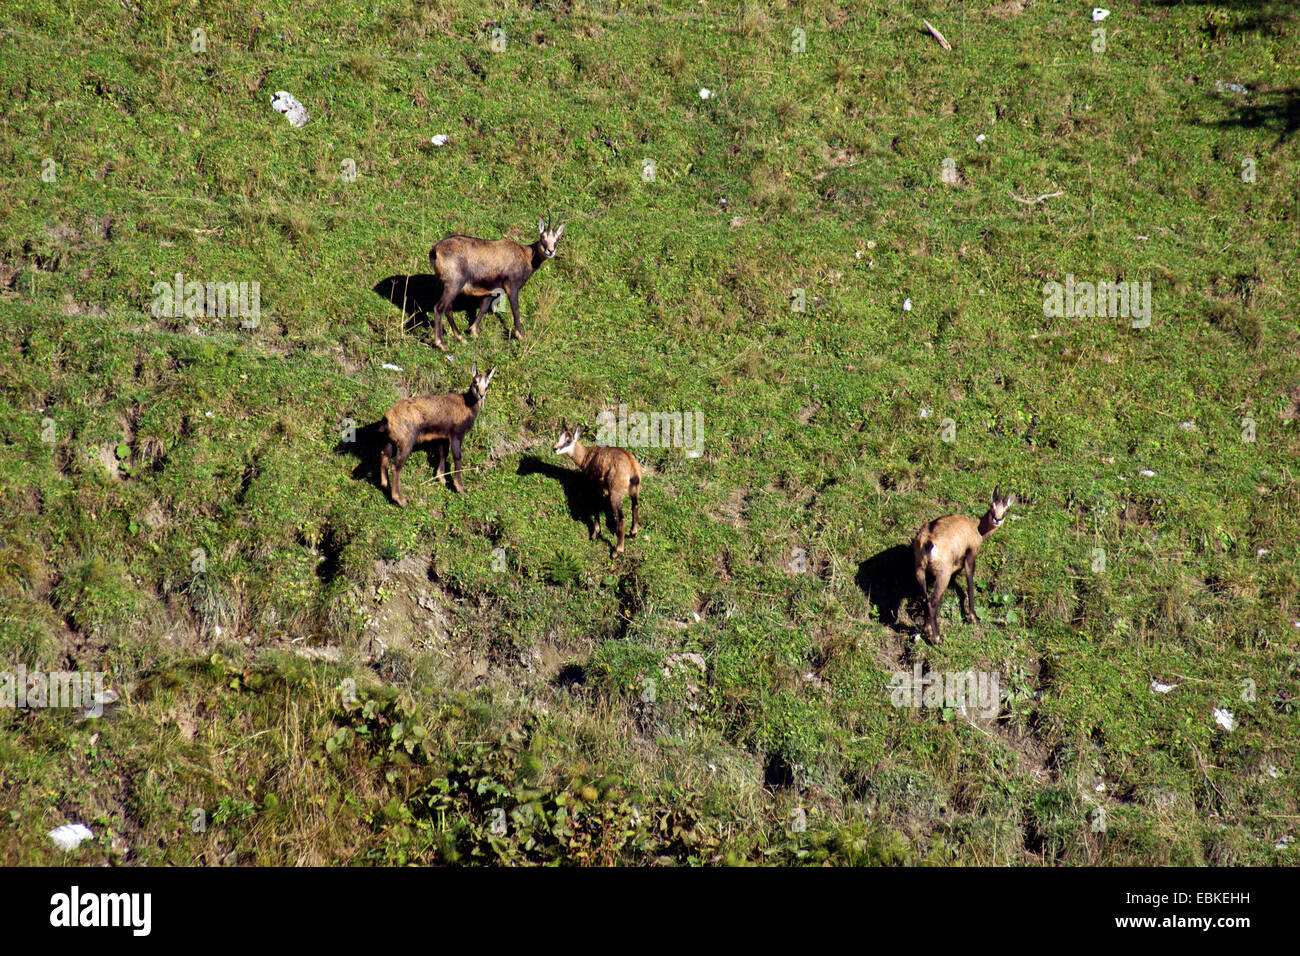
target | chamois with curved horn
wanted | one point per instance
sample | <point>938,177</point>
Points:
<point>445,419</point>
<point>614,472</point>
<point>487,268</point>
<point>945,545</point>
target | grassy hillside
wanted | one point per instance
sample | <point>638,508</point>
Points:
<point>331,679</point>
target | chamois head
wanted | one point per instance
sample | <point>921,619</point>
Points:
<point>479,386</point>
<point>549,236</point>
<point>1000,505</point>
<point>567,439</point>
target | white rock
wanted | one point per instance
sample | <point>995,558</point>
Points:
<point>70,835</point>
<point>907,305</point>
<point>440,140</point>
<point>705,94</point>
<point>1099,14</point>
<point>1159,688</point>
<point>980,138</point>
<point>1147,473</point>
<point>1224,718</point>
<point>393,368</point>
<point>294,111</point>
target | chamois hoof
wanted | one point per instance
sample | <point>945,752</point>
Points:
<point>400,502</point>
<point>473,331</point>
<point>517,335</point>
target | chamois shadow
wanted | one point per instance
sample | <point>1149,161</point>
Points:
<point>1274,111</point>
<point>366,445</point>
<point>585,505</point>
<point>1249,16</point>
<point>889,582</point>
<point>417,294</point>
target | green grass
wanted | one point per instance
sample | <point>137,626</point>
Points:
<point>331,679</point>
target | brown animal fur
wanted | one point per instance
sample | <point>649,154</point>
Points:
<point>445,419</point>
<point>614,470</point>
<point>486,268</point>
<point>943,546</point>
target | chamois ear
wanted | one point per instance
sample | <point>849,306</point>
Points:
<point>473,373</point>
<point>489,378</point>
<point>559,232</point>
<point>541,227</point>
<point>576,432</point>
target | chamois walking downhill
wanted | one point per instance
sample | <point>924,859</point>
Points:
<point>944,545</point>
<point>614,471</point>
<point>445,419</point>
<point>487,268</point>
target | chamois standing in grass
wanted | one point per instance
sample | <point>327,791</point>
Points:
<point>944,545</point>
<point>614,471</point>
<point>445,419</point>
<point>487,268</point>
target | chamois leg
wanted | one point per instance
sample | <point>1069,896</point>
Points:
<point>455,456</point>
<point>970,586</point>
<point>616,507</point>
<point>451,323</point>
<point>923,585</point>
<point>636,511</point>
<point>384,456</point>
<point>440,445</point>
<point>513,292</point>
<point>443,308</point>
<point>936,601</point>
<point>403,452</point>
<point>450,314</point>
<point>484,304</point>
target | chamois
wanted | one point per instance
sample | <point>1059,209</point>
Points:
<point>944,545</point>
<point>614,471</point>
<point>445,419</point>
<point>486,268</point>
